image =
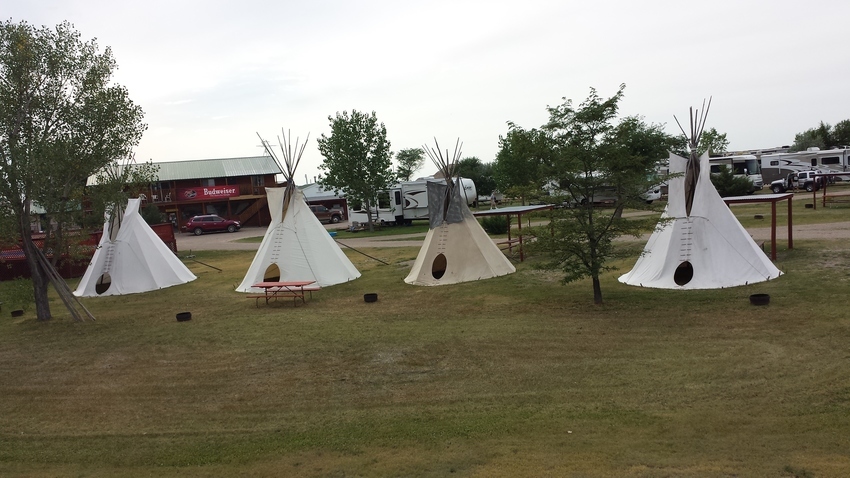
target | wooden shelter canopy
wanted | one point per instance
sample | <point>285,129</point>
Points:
<point>510,211</point>
<point>772,199</point>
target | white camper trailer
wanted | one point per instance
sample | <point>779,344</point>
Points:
<point>745,165</point>
<point>408,200</point>
<point>779,165</point>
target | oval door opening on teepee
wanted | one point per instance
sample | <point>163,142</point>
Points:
<point>272,273</point>
<point>439,266</point>
<point>103,283</point>
<point>683,274</point>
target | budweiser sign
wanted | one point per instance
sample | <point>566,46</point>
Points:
<point>208,192</point>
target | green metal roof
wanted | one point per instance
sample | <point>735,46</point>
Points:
<point>211,168</point>
<point>217,168</point>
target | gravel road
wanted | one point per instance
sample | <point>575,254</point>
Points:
<point>226,241</point>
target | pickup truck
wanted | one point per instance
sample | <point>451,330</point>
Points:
<point>324,214</point>
<point>807,180</point>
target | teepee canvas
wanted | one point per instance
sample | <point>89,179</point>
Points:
<point>131,258</point>
<point>699,243</point>
<point>296,246</point>
<point>456,248</point>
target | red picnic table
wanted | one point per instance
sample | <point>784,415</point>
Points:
<point>275,290</point>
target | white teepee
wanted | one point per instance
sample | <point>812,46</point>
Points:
<point>131,258</point>
<point>699,243</point>
<point>296,246</point>
<point>456,248</point>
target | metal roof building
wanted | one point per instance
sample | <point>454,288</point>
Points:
<point>217,168</point>
<point>229,187</point>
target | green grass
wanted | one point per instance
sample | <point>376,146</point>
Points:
<point>513,376</point>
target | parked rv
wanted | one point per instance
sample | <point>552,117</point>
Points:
<point>779,165</point>
<point>407,201</point>
<point>745,165</point>
<point>602,196</point>
<point>495,195</point>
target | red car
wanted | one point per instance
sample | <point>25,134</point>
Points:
<point>210,223</point>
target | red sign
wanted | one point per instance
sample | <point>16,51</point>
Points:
<point>208,192</point>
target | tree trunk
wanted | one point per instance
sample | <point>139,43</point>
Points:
<point>369,214</point>
<point>618,211</point>
<point>38,275</point>
<point>597,291</point>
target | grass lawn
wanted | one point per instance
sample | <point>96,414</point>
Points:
<point>513,376</point>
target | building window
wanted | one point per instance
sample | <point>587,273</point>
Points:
<point>257,184</point>
<point>207,182</point>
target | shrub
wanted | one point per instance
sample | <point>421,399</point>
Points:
<point>727,184</point>
<point>495,224</point>
<point>152,215</point>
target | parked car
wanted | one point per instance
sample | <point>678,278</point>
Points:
<point>326,215</point>
<point>808,180</point>
<point>210,223</point>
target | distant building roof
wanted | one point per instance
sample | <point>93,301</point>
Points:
<point>212,168</point>
<point>217,168</point>
<point>315,192</point>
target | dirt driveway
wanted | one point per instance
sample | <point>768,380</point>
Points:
<point>226,241</point>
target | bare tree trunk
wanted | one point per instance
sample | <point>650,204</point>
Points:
<point>618,211</point>
<point>38,276</point>
<point>597,291</point>
<point>369,214</point>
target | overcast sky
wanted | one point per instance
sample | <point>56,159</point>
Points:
<point>212,74</point>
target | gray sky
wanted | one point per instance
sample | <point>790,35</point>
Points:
<point>211,74</point>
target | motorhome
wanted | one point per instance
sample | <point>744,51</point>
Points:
<point>745,165</point>
<point>602,195</point>
<point>408,200</point>
<point>779,165</point>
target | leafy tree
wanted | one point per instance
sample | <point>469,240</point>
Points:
<point>487,178</point>
<point>727,184</point>
<point>811,138</point>
<point>61,120</point>
<point>357,157</point>
<point>409,160</point>
<point>480,173</point>
<point>841,133</point>
<point>520,162</point>
<point>714,142</point>
<point>116,183</point>
<point>823,136</point>
<point>593,156</point>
